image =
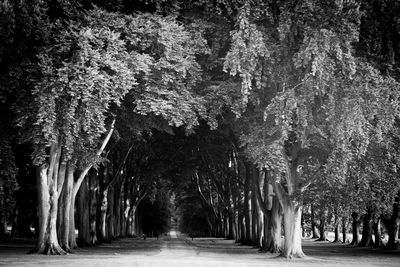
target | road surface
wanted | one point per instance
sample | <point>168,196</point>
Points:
<point>179,250</point>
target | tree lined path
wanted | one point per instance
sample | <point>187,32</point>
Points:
<point>248,125</point>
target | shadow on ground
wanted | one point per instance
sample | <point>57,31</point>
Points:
<point>182,251</point>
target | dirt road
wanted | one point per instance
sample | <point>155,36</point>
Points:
<point>173,250</point>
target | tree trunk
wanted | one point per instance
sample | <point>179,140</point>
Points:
<point>254,209</point>
<point>377,232</point>
<point>103,216</point>
<point>231,232</point>
<point>110,214</point>
<point>303,227</point>
<point>393,231</point>
<point>355,229</point>
<point>61,202</point>
<point>93,189</point>
<point>322,224</point>
<point>83,213</point>
<point>48,205</point>
<point>126,208</point>
<point>367,231</point>
<point>246,207</point>
<point>276,227</point>
<point>392,224</point>
<point>72,235</point>
<point>241,228</point>
<point>271,208</point>
<point>292,209</point>
<point>322,231</point>
<point>65,222</point>
<point>292,227</point>
<point>131,220</point>
<point>344,229</point>
<point>313,226</point>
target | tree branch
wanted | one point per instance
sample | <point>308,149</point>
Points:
<point>98,153</point>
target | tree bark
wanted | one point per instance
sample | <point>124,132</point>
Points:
<point>292,227</point>
<point>83,213</point>
<point>337,234</point>
<point>355,229</point>
<point>367,231</point>
<point>103,216</point>
<point>292,211</point>
<point>72,235</point>
<point>48,194</point>
<point>313,226</point>
<point>321,226</point>
<point>254,208</point>
<point>110,217</point>
<point>271,208</point>
<point>392,224</point>
<point>65,222</point>
<point>344,229</point>
<point>93,189</point>
<point>246,204</point>
<point>377,232</point>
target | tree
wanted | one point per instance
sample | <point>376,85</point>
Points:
<point>299,70</point>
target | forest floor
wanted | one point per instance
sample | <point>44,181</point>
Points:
<point>173,250</point>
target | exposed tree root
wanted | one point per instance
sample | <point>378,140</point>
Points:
<point>298,255</point>
<point>67,249</point>
<point>49,249</point>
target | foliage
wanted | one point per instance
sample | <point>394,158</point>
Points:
<point>8,181</point>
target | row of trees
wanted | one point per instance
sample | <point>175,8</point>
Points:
<point>303,94</point>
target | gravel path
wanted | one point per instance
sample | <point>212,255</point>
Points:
<point>180,250</point>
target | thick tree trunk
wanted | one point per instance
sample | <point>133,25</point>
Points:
<point>241,228</point>
<point>276,227</point>
<point>110,215</point>
<point>94,188</point>
<point>131,224</point>
<point>72,234</point>
<point>247,220</point>
<point>226,225</point>
<point>231,214</point>
<point>303,227</point>
<point>367,231</point>
<point>103,216</point>
<point>313,226</point>
<point>254,209</point>
<point>355,229</point>
<point>65,222</point>
<point>118,207</point>
<point>125,211</point>
<point>321,226</point>
<point>231,233</point>
<point>377,232</point>
<point>336,230</point>
<point>393,231</point>
<point>392,225</point>
<point>322,231</point>
<point>48,204</point>
<point>83,213</point>
<point>292,227</point>
<point>292,210</point>
<point>61,204</point>
<point>271,208</point>
<point>344,229</point>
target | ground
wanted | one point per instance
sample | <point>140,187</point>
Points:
<point>179,250</point>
